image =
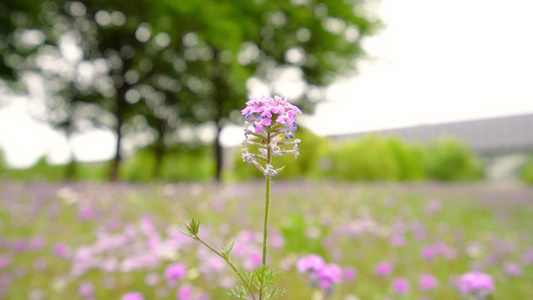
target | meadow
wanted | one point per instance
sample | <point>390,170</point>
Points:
<point>105,240</point>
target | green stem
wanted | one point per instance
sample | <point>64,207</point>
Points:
<point>267,207</point>
<point>265,226</point>
<point>230,264</point>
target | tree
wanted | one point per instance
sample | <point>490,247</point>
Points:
<point>170,63</point>
<point>129,74</point>
<point>317,40</point>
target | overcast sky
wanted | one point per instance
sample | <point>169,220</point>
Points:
<point>436,61</point>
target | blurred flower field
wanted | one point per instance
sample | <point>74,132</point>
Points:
<point>383,241</point>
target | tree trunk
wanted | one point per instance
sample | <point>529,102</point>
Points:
<point>219,157</point>
<point>119,114</point>
<point>159,153</point>
<point>70,172</point>
<point>221,91</point>
<point>115,166</point>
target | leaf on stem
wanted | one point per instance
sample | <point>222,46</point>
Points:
<point>192,229</point>
<point>226,249</point>
<point>239,292</point>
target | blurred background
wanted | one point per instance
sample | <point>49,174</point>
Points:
<point>119,119</point>
<point>95,90</point>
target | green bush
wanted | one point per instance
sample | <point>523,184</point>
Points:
<point>449,159</point>
<point>369,158</point>
<point>408,158</point>
<point>526,173</point>
<point>179,164</point>
<point>139,167</point>
<point>41,170</point>
<point>312,149</point>
<point>195,164</point>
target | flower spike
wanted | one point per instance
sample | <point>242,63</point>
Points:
<point>267,118</point>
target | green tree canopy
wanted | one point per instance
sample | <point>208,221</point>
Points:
<point>159,66</point>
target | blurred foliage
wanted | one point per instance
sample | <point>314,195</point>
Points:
<point>526,173</point>
<point>372,157</point>
<point>369,158</point>
<point>153,68</point>
<point>407,156</point>
<point>178,165</point>
<point>449,159</point>
<point>306,165</point>
<point>376,157</point>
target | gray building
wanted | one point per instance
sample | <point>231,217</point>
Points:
<point>503,142</point>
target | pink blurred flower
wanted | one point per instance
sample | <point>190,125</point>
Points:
<point>475,283</point>
<point>400,286</point>
<point>310,263</point>
<point>62,250</point>
<point>20,245</point>
<point>37,242</point>
<point>174,272</point>
<point>383,269</point>
<point>5,261</point>
<point>86,213</point>
<point>527,257</point>
<point>433,206</point>
<point>428,253</point>
<point>427,282</point>
<point>189,292</point>
<point>331,273</point>
<point>86,289</point>
<point>397,240</point>
<point>350,273</point>
<point>133,296</point>
<point>513,269</point>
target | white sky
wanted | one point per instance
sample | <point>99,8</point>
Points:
<point>436,61</point>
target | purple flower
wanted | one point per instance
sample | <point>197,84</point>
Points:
<point>133,296</point>
<point>185,292</point>
<point>397,240</point>
<point>427,282</point>
<point>400,286</point>
<point>37,242</point>
<point>86,289</point>
<point>475,283</point>
<point>513,269</point>
<point>5,261</point>
<point>86,213</point>
<point>310,263</point>
<point>260,123</point>
<point>350,273</point>
<point>428,253</point>
<point>189,292</point>
<point>61,250</point>
<point>331,273</point>
<point>321,275</point>
<point>383,269</point>
<point>174,273</point>
<point>433,206</point>
<point>270,118</point>
<point>527,257</point>
<point>20,245</point>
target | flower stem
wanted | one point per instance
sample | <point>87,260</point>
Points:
<point>267,207</point>
<point>265,230</point>
<point>229,263</point>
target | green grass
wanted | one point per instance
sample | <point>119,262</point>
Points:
<point>309,215</point>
